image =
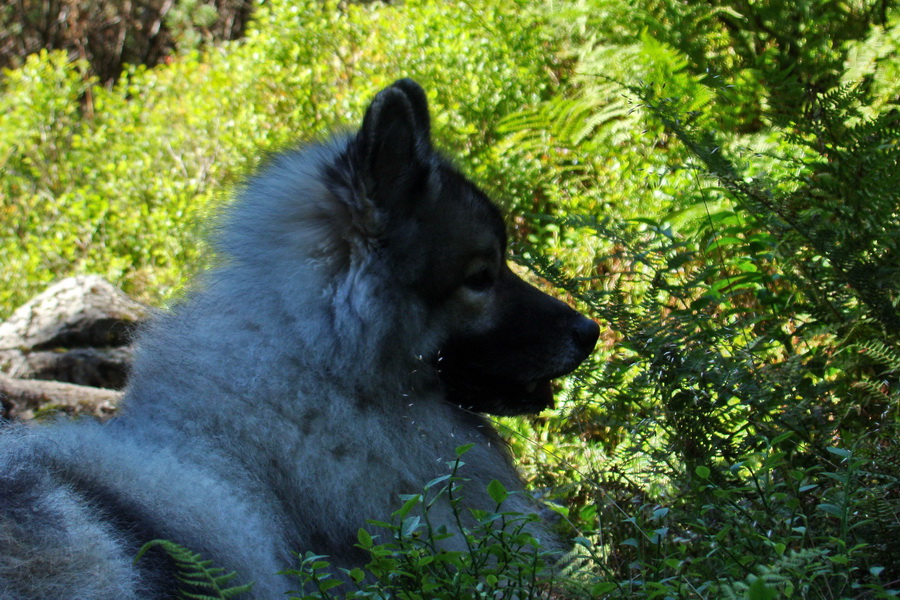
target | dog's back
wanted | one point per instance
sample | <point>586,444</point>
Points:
<point>360,316</point>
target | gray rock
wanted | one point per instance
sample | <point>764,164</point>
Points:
<point>77,331</point>
<point>78,311</point>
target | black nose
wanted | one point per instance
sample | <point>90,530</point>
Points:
<point>586,333</point>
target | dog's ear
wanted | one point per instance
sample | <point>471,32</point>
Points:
<point>394,142</point>
<point>419,103</point>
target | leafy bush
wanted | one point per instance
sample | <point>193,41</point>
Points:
<point>117,181</point>
<point>740,415</point>
<point>717,181</point>
<point>500,560</point>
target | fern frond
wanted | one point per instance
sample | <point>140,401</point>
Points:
<point>571,121</point>
<point>197,573</point>
<point>881,353</point>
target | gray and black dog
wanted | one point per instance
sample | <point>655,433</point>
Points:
<point>360,315</point>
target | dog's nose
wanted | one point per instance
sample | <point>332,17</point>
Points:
<point>586,333</point>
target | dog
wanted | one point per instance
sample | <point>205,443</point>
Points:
<point>359,317</point>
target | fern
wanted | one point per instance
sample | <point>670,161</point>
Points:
<point>881,353</point>
<point>801,569</point>
<point>197,574</point>
<point>571,121</point>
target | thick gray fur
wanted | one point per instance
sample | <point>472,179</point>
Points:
<point>293,394</point>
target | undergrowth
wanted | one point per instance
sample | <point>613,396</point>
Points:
<point>719,186</point>
<point>488,554</point>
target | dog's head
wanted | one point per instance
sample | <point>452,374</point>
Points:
<point>503,340</point>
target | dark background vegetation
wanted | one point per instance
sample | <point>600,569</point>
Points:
<point>716,182</point>
<point>112,34</point>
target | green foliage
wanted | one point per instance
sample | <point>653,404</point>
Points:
<point>201,580</point>
<point>118,180</point>
<point>873,61</point>
<point>718,185</point>
<point>496,559</point>
<point>738,415</point>
<point>778,55</point>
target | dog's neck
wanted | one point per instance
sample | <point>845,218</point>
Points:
<point>274,339</point>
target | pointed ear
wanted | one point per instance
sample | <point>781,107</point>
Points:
<point>394,142</point>
<point>419,103</point>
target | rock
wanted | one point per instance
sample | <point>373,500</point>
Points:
<point>75,338</point>
<point>78,311</point>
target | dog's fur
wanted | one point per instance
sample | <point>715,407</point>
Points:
<point>361,314</point>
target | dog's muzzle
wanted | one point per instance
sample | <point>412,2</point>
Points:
<point>508,371</point>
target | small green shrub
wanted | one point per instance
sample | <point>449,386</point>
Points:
<point>120,181</point>
<point>500,558</point>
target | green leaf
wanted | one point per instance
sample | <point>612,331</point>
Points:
<point>583,542</point>
<point>364,537</point>
<point>437,480</point>
<point>564,510</point>
<point>605,587</point>
<point>356,575</point>
<point>758,590</point>
<point>673,563</point>
<point>839,451</point>
<point>425,560</point>
<point>831,509</point>
<point>460,450</point>
<point>409,526</point>
<point>411,502</point>
<point>723,241</point>
<point>497,492</point>
<point>782,437</point>
<point>327,584</point>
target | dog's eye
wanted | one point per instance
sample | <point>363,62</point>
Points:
<point>480,280</point>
